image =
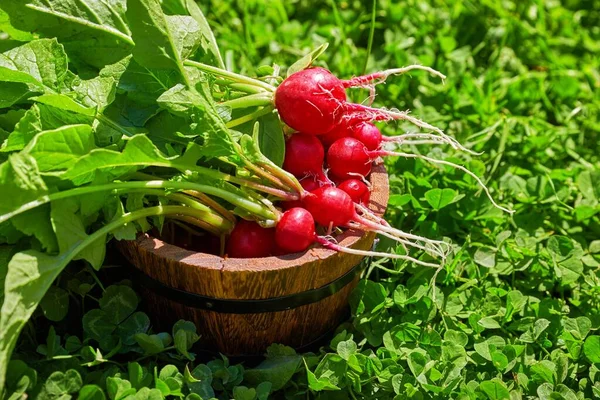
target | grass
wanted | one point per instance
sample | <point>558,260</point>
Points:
<point>516,311</point>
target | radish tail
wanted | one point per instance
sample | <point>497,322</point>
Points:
<point>356,113</point>
<point>380,77</point>
<point>336,247</point>
<point>453,165</point>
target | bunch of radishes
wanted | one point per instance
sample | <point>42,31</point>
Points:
<point>331,153</point>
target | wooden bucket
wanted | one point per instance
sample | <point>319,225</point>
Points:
<point>241,306</point>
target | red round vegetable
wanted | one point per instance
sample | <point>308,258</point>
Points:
<point>295,230</point>
<point>330,205</point>
<point>348,158</point>
<point>309,101</point>
<point>357,190</point>
<point>368,134</point>
<point>248,240</point>
<point>309,184</point>
<point>340,131</point>
<point>304,155</point>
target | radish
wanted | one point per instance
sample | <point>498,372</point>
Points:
<point>331,207</point>
<point>368,134</point>
<point>309,184</point>
<point>357,190</point>
<point>313,101</point>
<point>349,157</point>
<point>249,240</point>
<point>372,138</point>
<point>340,131</point>
<point>304,155</point>
<point>309,100</point>
<point>295,232</point>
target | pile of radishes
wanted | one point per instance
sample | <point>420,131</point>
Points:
<point>331,153</point>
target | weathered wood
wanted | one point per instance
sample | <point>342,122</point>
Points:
<point>254,278</point>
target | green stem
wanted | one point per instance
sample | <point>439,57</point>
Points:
<point>204,213</point>
<point>230,75</point>
<point>249,117</point>
<point>284,176</point>
<point>250,206</point>
<point>113,124</point>
<point>253,100</point>
<point>221,176</point>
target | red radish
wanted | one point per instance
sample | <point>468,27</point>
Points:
<point>295,230</point>
<point>340,131</point>
<point>348,158</point>
<point>313,101</point>
<point>304,155</point>
<point>368,134</point>
<point>332,207</point>
<point>309,184</point>
<point>372,138</point>
<point>357,190</point>
<point>248,240</point>
<point>309,100</point>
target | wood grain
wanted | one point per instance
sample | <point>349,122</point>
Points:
<point>253,278</point>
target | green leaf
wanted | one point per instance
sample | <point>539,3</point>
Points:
<point>59,383</point>
<point>485,257</point>
<point>138,375</point>
<point>278,368</point>
<point>210,43</point>
<point>55,304</point>
<point>91,392</point>
<point>416,362</point>
<point>319,383</point>
<point>589,185</point>
<point>543,371</point>
<point>20,177</point>
<point>591,348</point>
<point>489,323</point>
<point>118,388</point>
<point>155,45</point>
<point>14,33</point>
<point>440,198</point>
<point>456,337</point>
<point>185,33</point>
<point>184,336</point>
<point>30,274</point>
<point>70,231</point>
<point>307,60</point>
<point>347,348</point>
<point>59,149</point>
<point>578,327</point>
<point>244,393</point>
<point>566,256</point>
<point>271,140</point>
<point>40,64</point>
<point>152,344</point>
<point>495,389</point>
<point>118,301</point>
<point>65,103</point>
<point>139,152</point>
<point>95,31</point>
<point>40,118</point>
<point>515,301</point>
